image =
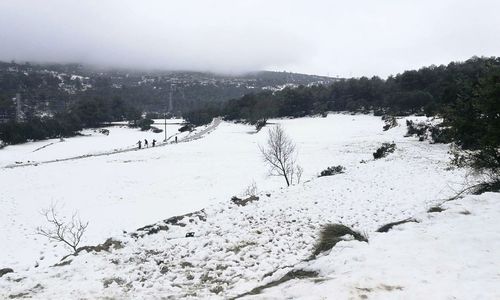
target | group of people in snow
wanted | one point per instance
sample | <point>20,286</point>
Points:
<point>146,144</point>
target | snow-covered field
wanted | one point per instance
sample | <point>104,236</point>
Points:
<point>91,142</point>
<point>235,249</point>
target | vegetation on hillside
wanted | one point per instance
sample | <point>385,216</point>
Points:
<point>475,125</point>
<point>83,114</point>
<point>465,94</point>
<point>429,90</point>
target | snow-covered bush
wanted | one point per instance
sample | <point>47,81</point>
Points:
<point>187,127</point>
<point>423,130</point>
<point>104,131</point>
<point>260,124</point>
<point>143,124</point>
<point>156,129</point>
<point>440,134</point>
<point>390,122</point>
<point>384,150</point>
<point>418,129</point>
<point>334,170</point>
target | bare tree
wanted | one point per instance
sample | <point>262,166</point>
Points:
<point>281,155</point>
<point>69,233</point>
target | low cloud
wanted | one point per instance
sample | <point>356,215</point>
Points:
<point>326,37</point>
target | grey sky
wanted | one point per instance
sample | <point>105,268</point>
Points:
<point>346,38</point>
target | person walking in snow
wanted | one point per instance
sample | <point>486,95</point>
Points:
<point>145,143</point>
<point>154,143</point>
<point>176,139</point>
<point>140,144</point>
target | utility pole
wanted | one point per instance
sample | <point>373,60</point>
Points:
<point>165,123</point>
<point>169,108</point>
<point>19,108</point>
<point>165,115</point>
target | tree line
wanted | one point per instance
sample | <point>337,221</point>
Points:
<point>85,113</point>
<point>430,90</point>
<point>466,94</point>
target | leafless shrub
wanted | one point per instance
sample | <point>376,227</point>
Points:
<point>296,174</point>
<point>251,190</point>
<point>69,233</point>
<point>281,155</point>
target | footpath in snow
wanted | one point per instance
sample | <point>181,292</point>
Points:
<point>26,152</point>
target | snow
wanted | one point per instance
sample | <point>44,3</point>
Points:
<point>90,143</point>
<point>237,248</point>
<point>448,255</point>
<point>128,188</point>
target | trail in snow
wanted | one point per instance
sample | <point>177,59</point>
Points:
<point>204,132</point>
<point>43,147</point>
<point>188,138</point>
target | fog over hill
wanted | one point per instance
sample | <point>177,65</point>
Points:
<point>345,38</point>
<point>49,88</point>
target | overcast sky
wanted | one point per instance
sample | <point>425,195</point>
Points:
<point>327,37</point>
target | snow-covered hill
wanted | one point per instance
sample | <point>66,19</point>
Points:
<point>235,249</point>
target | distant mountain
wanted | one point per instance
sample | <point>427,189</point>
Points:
<point>51,88</point>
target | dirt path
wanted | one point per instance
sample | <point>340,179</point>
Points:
<point>215,123</point>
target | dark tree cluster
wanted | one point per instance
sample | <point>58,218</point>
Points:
<point>430,90</point>
<point>84,113</point>
<point>474,120</point>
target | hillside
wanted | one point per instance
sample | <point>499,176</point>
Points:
<point>222,250</point>
<point>52,88</point>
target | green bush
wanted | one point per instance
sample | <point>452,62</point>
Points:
<point>334,170</point>
<point>384,150</point>
<point>475,128</point>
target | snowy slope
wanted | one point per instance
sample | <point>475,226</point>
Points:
<point>127,190</point>
<point>234,248</point>
<point>449,255</point>
<point>91,142</point>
